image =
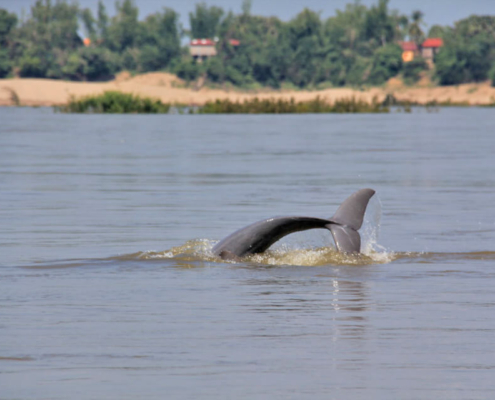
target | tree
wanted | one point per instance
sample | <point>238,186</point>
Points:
<point>378,25</point>
<point>468,52</point>
<point>305,38</point>
<point>246,7</point>
<point>437,31</point>
<point>7,23</point>
<point>55,26</point>
<point>159,40</point>
<point>387,62</point>
<point>205,21</point>
<point>215,70</point>
<point>188,70</point>
<point>476,25</point>
<point>37,44</point>
<point>5,65</point>
<point>355,46</point>
<point>102,21</point>
<point>123,30</point>
<point>416,34</point>
<point>491,75</point>
<point>34,65</point>
<point>346,28</point>
<point>89,24</point>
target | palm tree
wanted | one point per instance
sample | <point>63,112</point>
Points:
<point>416,34</point>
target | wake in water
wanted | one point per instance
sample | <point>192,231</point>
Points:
<point>311,248</point>
<point>197,252</point>
<point>280,254</point>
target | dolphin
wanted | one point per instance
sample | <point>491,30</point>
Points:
<point>258,237</point>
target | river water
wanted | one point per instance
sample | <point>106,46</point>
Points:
<point>109,290</point>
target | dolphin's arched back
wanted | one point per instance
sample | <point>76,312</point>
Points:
<point>258,237</point>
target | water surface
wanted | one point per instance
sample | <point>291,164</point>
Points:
<point>108,288</point>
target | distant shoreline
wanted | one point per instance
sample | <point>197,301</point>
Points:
<point>169,89</point>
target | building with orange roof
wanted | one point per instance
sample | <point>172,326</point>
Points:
<point>430,48</point>
<point>409,51</point>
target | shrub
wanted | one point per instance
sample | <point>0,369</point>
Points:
<point>215,69</point>
<point>280,106</point>
<point>188,70</point>
<point>413,69</point>
<point>114,103</point>
<point>100,64</point>
<point>32,67</point>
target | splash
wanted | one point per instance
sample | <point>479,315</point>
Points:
<point>370,232</point>
<point>197,252</point>
<point>312,257</point>
<point>290,252</point>
<point>199,249</point>
<point>309,248</point>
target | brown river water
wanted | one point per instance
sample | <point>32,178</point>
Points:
<point>109,289</point>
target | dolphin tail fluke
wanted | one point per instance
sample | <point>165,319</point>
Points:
<point>346,239</point>
<point>348,220</point>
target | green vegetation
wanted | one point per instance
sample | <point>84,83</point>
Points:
<point>7,23</point>
<point>469,51</point>
<point>413,69</point>
<point>358,46</point>
<point>272,106</point>
<point>114,103</point>
<point>391,100</point>
<point>492,75</point>
<point>122,103</point>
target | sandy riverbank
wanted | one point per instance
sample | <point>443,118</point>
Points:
<point>169,89</point>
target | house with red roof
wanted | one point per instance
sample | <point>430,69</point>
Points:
<point>409,51</point>
<point>428,50</point>
<point>430,47</point>
<point>201,49</point>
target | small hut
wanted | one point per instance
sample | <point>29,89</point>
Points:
<point>201,49</point>
<point>430,47</point>
<point>409,51</point>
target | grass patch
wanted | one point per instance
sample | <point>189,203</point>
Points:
<point>391,100</point>
<point>113,102</point>
<point>448,103</point>
<point>280,106</point>
<point>121,103</point>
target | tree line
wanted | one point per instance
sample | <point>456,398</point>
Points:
<point>357,46</point>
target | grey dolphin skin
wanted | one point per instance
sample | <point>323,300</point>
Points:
<point>258,237</point>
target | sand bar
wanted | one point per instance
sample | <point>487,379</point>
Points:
<point>170,89</point>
